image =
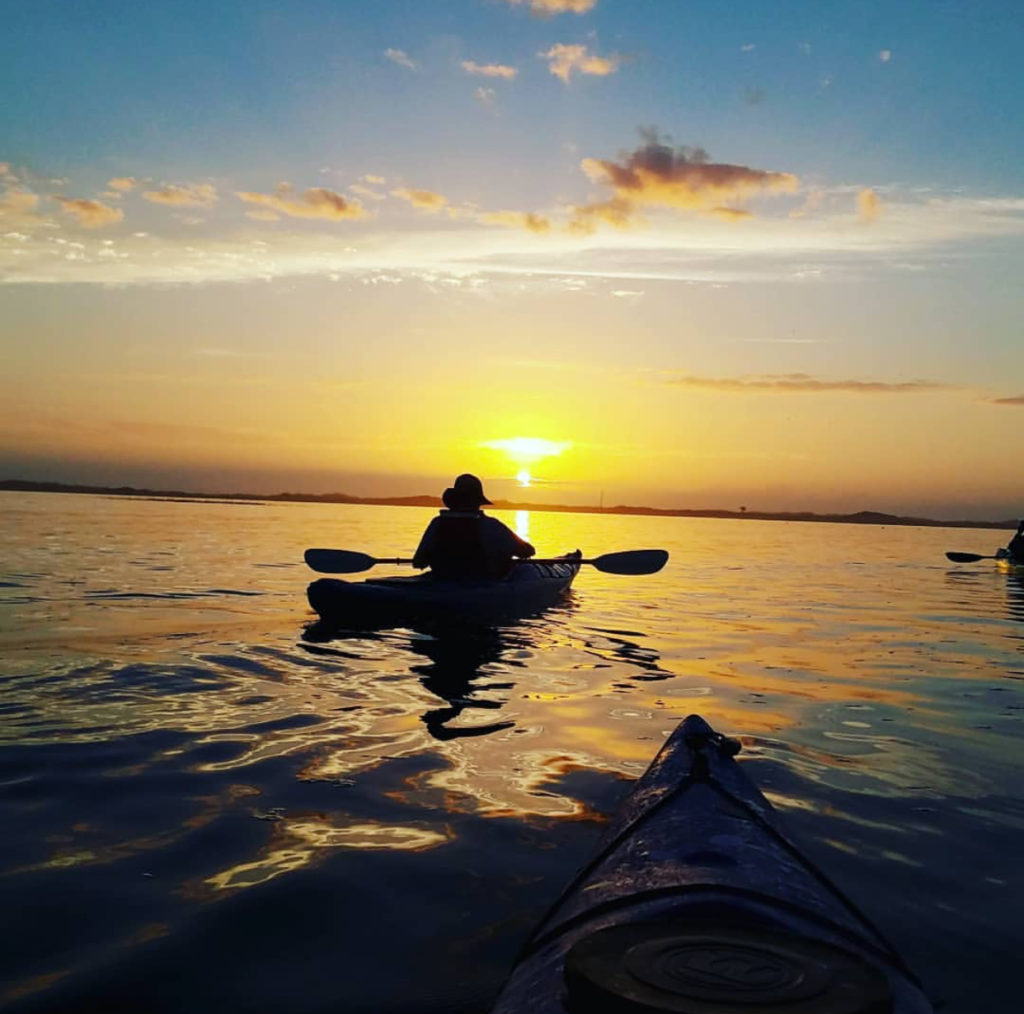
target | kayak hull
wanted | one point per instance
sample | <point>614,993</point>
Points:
<point>696,863</point>
<point>530,588</point>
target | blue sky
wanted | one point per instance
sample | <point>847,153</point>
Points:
<point>209,87</point>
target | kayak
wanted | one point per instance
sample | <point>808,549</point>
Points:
<point>697,903</point>
<point>529,588</point>
<point>1009,564</point>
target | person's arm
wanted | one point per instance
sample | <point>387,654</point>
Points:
<point>510,542</point>
<point>424,551</point>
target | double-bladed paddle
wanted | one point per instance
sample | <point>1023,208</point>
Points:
<point>630,561</point>
<point>970,557</point>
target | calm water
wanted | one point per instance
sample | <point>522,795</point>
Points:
<point>205,811</point>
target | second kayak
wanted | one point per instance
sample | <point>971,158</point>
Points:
<point>698,903</point>
<point>529,588</point>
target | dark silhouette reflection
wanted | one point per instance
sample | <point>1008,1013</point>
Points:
<point>457,655</point>
<point>616,646</point>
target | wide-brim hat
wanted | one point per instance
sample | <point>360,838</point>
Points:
<point>466,491</point>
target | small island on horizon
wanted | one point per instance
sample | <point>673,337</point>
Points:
<point>864,517</point>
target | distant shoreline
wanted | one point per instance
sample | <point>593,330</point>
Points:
<point>858,518</point>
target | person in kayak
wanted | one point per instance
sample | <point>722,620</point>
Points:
<point>1015,547</point>
<point>463,542</point>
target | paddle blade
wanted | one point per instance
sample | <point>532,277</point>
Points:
<point>633,561</point>
<point>967,557</point>
<point>338,561</point>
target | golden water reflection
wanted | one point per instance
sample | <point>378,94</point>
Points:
<point>781,634</point>
<point>297,842</point>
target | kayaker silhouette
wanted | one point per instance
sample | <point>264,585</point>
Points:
<point>1015,547</point>
<point>462,542</point>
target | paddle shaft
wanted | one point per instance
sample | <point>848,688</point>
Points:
<point>400,560</point>
<point>634,561</point>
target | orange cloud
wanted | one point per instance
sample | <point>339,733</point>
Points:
<point>788,383</point>
<point>317,202</point>
<point>489,69</point>
<point>557,6</point>
<point>732,214</point>
<point>122,183</point>
<point>1016,400</point>
<point>422,200</point>
<point>18,207</point>
<point>91,214</point>
<point>188,195</point>
<point>617,212</point>
<point>656,175</point>
<point>869,204</point>
<point>564,59</point>
<point>528,220</point>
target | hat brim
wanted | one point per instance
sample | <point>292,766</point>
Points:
<point>456,499</point>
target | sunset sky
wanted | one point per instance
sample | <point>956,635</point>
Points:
<point>707,254</point>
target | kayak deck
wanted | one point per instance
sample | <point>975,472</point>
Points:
<point>529,588</point>
<point>695,876</point>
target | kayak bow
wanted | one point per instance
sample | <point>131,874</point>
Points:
<point>697,903</point>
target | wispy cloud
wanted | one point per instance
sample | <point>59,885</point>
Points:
<point>489,69</point>
<point>317,202</point>
<point>262,215</point>
<point>122,183</point>
<point>748,47</point>
<point>485,96</point>
<point>556,6</point>
<point>507,246</point>
<point>368,192</point>
<point>657,175</point>
<point>185,195</point>
<point>885,55</point>
<point>90,214</point>
<point>400,57</point>
<point>1017,400</point>
<point>799,383</point>
<point>564,60</point>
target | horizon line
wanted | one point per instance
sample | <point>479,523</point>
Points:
<point>430,500</point>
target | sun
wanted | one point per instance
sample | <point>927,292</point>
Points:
<point>523,478</point>
<point>527,450</point>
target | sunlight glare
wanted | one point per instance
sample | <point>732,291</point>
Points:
<point>527,450</point>
<point>523,478</point>
<point>523,524</point>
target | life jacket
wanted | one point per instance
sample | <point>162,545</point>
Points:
<point>459,548</point>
